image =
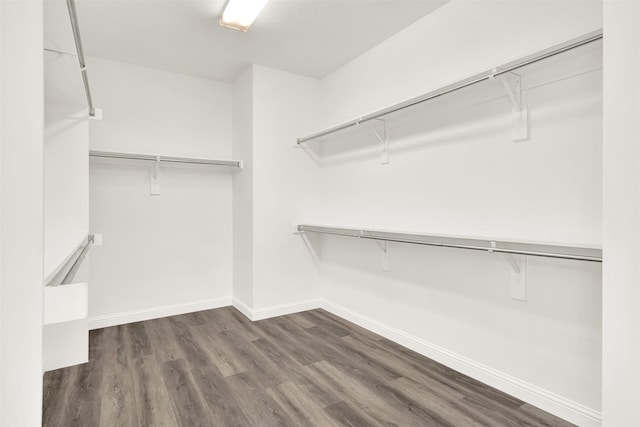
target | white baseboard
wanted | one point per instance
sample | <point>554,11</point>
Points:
<point>243,308</point>
<point>282,309</point>
<point>98,322</point>
<point>276,310</point>
<point>564,408</point>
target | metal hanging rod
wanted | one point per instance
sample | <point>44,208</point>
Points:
<point>68,278</point>
<point>487,75</point>
<point>71,6</point>
<point>507,247</point>
<point>167,159</point>
<point>78,262</point>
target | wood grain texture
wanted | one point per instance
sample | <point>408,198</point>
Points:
<point>217,368</point>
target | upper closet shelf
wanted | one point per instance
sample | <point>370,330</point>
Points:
<point>498,73</point>
<point>166,159</point>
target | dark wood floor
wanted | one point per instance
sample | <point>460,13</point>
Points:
<point>216,368</point>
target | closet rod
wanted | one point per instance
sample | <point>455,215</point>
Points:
<point>506,247</point>
<point>169,159</point>
<point>487,75</point>
<point>71,6</point>
<point>78,262</point>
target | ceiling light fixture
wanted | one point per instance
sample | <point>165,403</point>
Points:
<point>240,14</point>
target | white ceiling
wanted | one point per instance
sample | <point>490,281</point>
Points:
<point>308,37</point>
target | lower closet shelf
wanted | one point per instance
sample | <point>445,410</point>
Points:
<point>531,248</point>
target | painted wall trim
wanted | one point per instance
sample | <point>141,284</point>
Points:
<point>553,403</point>
<point>98,322</point>
<point>243,308</point>
<point>290,308</point>
<point>277,310</point>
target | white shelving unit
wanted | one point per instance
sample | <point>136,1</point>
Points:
<point>515,247</point>
<point>537,69</point>
<point>165,159</point>
<point>515,252</point>
<point>505,77</point>
<point>157,160</point>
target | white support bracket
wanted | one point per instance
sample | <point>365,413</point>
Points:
<point>384,247</point>
<point>514,264</point>
<point>518,276</point>
<point>512,84</point>
<point>518,281</point>
<point>155,185</point>
<point>383,137</point>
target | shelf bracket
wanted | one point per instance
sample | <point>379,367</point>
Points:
<point>155,185</point>
<point>514,264</point>
<point>382,135</point>
<point>384,247</point>
<point>518,280</point>
<point>518,98</point>
<point>515,95</point>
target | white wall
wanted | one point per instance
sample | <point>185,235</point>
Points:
<point>243,190</point>
<point>272,272</point>
<point>66,183</point>
<point>285,186</point>
<point>174,249</point>
<point>455,41</point>
<point>157,112</point>
<point>1,223</point>
<point>621,274</point>
<point>459,173</point>
<point>21,217</point>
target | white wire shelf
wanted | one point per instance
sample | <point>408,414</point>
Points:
<point>494,73</point>
<point>539,249</point>
<point>166,159</point>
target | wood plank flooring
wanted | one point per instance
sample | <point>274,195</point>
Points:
<point>217,368</point>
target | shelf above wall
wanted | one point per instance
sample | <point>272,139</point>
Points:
<point>499,73</point>
<point>166,159</point>
<point>540,249</point>
<point>156,160</point>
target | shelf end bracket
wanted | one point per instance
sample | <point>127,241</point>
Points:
<point>155,184</point>
<point>519,111</point>
<point>382,135</point>
<point>384,247</point>
<point>518,280</point>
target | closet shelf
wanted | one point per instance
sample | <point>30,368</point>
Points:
<point>540,249</point>
<point>166,159</point>
<point>494,73</point>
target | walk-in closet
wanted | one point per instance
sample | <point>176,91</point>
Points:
<point>319,213</point>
